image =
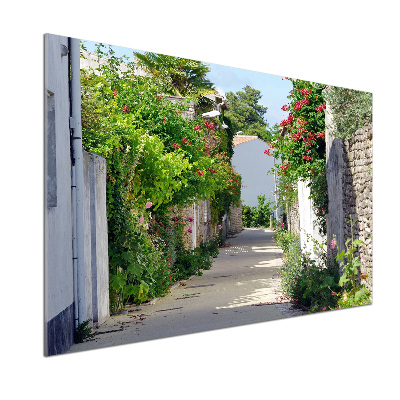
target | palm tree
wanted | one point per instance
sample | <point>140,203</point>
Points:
<point>179,76</point>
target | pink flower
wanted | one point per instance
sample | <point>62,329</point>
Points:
<point>164,120</point>
<point>333,243</point>
<point>190,219</point>
<point>141,220</point>
<point>149,204</point>
<point>189,230</point>
<point>282,225</point>
<point>324,309</point>
<point>219,226</point>
<point>197,127</point>
<point>287,186</point>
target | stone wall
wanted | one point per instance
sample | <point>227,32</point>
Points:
<point>235,219</point>
<point>349,176</point>
<point>197,218</point>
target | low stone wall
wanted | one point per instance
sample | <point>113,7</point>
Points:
<point>349,177</point>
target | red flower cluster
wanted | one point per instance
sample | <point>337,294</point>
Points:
<point>177,146</point>
<point>307,158</point>
<point>164,120</point>
<point>297,135</point>
<point>115,92</point>
<point>285,107</point>
<point>287,121</point>
<point>321,107</point>
<point>305,92</point>
<point>301,103</point>
<point>284,167</point>
<point>209,126</point>
<point>267,152</point>
<point>200,173</point>
<point>213,171</point>
<point>321,135</point>
<point>125,108</point>
<point>197,127</point>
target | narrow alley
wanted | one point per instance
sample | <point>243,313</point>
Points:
<point>241,288</point>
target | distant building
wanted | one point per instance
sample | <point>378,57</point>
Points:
<point>250,161</point>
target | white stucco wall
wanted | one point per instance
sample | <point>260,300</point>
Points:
<point>250,161</point>
<point>92,296</point>
<point>58,217</point>
<point>307,219</point>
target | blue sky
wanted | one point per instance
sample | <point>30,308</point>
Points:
<point>273,89</point>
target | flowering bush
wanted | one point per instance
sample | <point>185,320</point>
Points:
<point>300,145</point>
<point>156,159</point>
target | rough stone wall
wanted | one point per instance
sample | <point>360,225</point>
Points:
<point>349,177</point>
<point>235,219</point>
<point>357,199</point>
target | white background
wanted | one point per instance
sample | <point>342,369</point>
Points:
<point>333,355</point>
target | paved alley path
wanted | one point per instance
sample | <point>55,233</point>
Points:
<point>240,288</point>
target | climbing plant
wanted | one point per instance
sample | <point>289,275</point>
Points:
<point>299,144</point>
<point>156,159</point>
<point>351,110</point>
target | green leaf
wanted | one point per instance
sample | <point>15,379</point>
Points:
<point>357,242</point>
<point>135,269</point>
<point>343,279</point>
<point>341,255</point>
<point>117,281</point>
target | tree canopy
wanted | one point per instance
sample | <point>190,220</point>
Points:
<point>178,76</point>
<point>245,113</point>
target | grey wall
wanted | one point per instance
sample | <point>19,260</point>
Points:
<point>250,161</point>
<point>59,318</point>
<point>99,278</point>
<point>58,215</point>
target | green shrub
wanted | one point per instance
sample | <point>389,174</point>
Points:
<point>211,247</point>
<point>258,216</point>
<point>285,238</point>
<point>190,262</point>
<point>310,283</point>
<point>84,332</point>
